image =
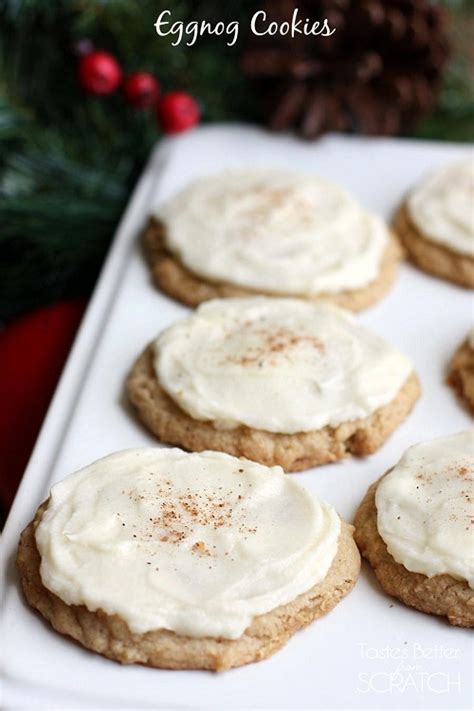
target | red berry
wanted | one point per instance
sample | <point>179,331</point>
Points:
<point>178,111</point>
<point>99,73</point>
<point>141,90</point>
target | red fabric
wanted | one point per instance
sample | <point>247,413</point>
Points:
<point>33,349</point>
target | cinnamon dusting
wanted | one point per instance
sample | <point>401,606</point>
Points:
<point>273,341</point>
<point>178,516</point>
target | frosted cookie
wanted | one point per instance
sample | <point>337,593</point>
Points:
<point>279,381</point>
<point>436,223</point>
<point>184,561</point>
<point>415,527</point>
<point>270,232</point>
<point>461,371</point>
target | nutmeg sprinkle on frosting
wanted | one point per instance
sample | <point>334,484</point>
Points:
<point>178,515</point>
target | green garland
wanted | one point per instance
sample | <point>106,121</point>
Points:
<point>68,161</point>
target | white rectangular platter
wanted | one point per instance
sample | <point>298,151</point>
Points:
<point>371,652</point>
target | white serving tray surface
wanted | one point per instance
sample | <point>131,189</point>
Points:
<point>371,652</point>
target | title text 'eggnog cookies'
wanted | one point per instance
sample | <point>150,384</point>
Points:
<point>270,232</point>
<point>184,561</point>
<point>436,223</point>
<point>279,381</point>
<point>415,526</point>
<point>461,371</point>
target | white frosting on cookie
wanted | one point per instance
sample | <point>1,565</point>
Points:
<point>442,207</point>
<point>194,543</point>
<point>425,508</point>
<point>274,231</point>
<point>280,365</point>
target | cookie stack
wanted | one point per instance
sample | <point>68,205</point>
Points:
<point>212,558</point>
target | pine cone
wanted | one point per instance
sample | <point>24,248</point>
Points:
<point>379,73</point>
